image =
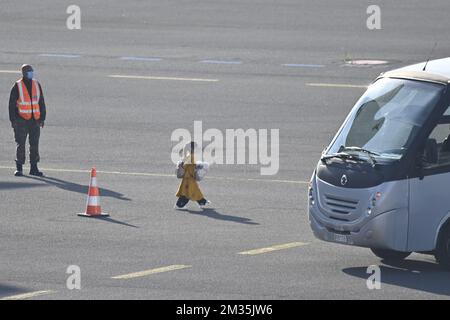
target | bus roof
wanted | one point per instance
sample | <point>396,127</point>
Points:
<point>437,71</point>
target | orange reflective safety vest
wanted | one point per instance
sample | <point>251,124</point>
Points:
<point>28,106</point>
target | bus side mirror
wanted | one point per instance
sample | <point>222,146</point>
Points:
<point>428,157</point>
<point>420,165</point>
<point>431,152</point>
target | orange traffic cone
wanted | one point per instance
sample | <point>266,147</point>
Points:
<point>93,208</point>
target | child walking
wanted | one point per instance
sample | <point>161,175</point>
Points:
<point>190,172</point>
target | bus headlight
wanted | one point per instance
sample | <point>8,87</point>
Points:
<point>310,194</point>
<point>373,202</point>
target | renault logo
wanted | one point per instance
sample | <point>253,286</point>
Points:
<point>344,180</point>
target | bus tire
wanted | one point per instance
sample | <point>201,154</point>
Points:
<point>442,253</point>
<point>390,255</point>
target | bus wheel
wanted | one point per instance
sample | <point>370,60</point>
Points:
<point>392,255</point>
<point>442,253</point>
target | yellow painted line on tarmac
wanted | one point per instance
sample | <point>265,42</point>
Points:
<point>10,71</point>
<point>99,171</point>
<point>336,85</point>
<point>151,271</point>
<point>274,248</point>
<point>258,180</point>
<point>162,78</point>
<point>28,295</point>
<point>161,175</point>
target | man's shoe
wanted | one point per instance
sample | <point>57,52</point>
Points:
<point>34,171</point>
<point>19,170</point>
<point>18,173</point>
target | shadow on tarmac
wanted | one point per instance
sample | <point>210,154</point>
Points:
<point>7,290</point>
<point>412,274</point>
<point>108,219</point>
<point>18,185</point>
<point>79,188</point>
<point>213,214</point>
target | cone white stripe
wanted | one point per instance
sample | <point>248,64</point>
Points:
<point>93,201</point>
<point>93,181</point>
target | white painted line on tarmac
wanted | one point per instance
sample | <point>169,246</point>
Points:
<point>57,55</point>
<point>366,62</point>
<point>274,248</point>
<point>161,175</point>
<point>336,85</point>
<point>303,65</point>
<point>55,170</point>
<point>28,295</point>
<point>221,61</point>
<point>10,71</point>
<point>141,59</point>
<point>162,78</point>
<point>151,271</point>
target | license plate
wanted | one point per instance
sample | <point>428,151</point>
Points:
<point>340,238</point>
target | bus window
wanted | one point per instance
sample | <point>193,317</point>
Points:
<point>438,144</point>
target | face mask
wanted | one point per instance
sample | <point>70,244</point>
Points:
<point>29,74</point>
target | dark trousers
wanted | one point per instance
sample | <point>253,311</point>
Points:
<point>23,129</point>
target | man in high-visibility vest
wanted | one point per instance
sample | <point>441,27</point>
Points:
<point>27,114</point>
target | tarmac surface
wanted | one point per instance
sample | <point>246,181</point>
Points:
<point>230,64</point>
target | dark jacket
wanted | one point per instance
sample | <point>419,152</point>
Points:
<point>14,112</point>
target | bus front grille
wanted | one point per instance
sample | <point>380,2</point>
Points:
<point>339,205</point>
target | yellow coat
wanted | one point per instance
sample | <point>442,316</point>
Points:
<point>189,187</point>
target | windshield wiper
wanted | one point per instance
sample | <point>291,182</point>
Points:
<point>361,149</point>
<point>341,155</point>
<point>373,162</point>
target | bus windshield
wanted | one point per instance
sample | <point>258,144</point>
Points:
<point>386,119</point>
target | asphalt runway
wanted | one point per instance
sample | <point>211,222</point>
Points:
<point>234,64</point>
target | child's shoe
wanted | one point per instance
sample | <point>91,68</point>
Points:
<point>181,203</point>
<point>203,203</point>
